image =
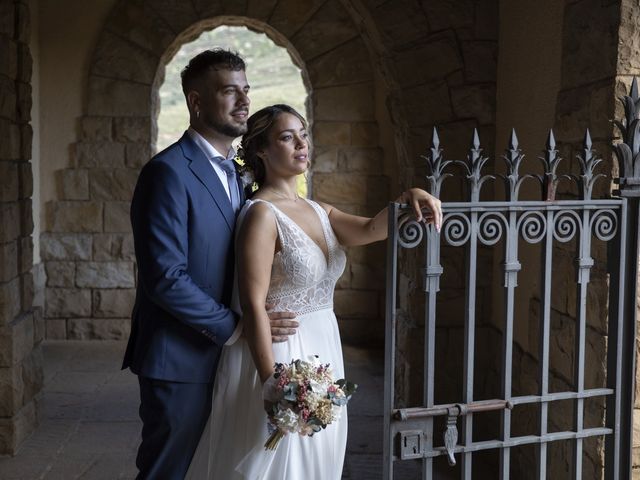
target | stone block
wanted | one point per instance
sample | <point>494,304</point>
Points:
<point>16,340</point>
<point>60,274</point>
<point>480,61</point>
<point>14,430</point>
<point>400,23</point>
<point>67,302</point>
<point>346,64</point>
<point>338,188</point>
<point>105,275</point>
<point>365,134</point>
<point>449,14</point>
<point>7,19</point>
<point>96,128</point>
<point>112,184</point>
<point>325,159</point>
<point>290,15</point>
<point>427,105</point>
<point>8,97</point>
<point>26,141</point>
<point>330,27</point>
<point>437,58</point>
<point>10,221</point>
<point>11,391</point>
<point>331,133</point>
<point>9,300</point>
<point>137,154</point>
<point>137,21</point>
<point>25,255</point>
<point>8,261</point>
<point>178,15</point>
<point>99,329</point>
<point>118,98</point>
<point>115,57</point>
<point>116,217</point>
<point>9,59</point>
<point>9,182</point>
<point>475,101</point>
<point>367,277</point>
<point>38,325</point>
<point>23,22</point>
<point>76,216</point>
<point>208,8</point>
<point>56,246</point>
<point>345,103</point>
<point>260,9</point>
<point>56,329</point>
<point>113,303</point>
<point>25,63</point>
<point>356,303</point>
<point>362,160</point>
<point>26,217</point>
<point>26,291</point>
<point>25,177</point>
<point>24,102</point>
<point>132,129</point>
<point>32,375</point>
<point>99,154</point>
<point>113,246</point>
<point>75,184</point>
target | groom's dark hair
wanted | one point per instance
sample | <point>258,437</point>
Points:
<point>209,59</point>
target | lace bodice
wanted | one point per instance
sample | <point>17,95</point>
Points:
<point>302,277</point>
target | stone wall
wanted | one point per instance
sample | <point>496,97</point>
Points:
<point>21,326</point>
<point>87,244</point>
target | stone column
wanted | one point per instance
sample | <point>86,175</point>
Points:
<point>21,328</point>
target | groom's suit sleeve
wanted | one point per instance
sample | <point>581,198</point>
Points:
<point>159,215</point>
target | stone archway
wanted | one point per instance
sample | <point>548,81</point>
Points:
<point>88,251</point>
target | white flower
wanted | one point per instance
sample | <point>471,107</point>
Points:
<point>287,420</point>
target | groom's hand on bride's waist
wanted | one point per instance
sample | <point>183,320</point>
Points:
<point>283,324</point>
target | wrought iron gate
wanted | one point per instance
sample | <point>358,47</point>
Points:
<point>409,432</point>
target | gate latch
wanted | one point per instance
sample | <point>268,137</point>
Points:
<point>411,441</point>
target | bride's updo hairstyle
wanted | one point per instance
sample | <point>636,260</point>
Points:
<point>257,137</point>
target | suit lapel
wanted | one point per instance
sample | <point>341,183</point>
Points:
<point>202,169</point>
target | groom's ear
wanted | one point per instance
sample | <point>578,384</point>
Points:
<point>193,100</point>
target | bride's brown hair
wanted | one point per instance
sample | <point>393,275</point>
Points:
<point>257,137</point>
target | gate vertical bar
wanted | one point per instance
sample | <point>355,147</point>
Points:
<point>617,261</point>
<point>511,268</point>
<point>545,329</point>
<point>584,265</point>
<point>433,270</point>
<point>469,347</point>
<point>629,181</point>
<point>390,341</point>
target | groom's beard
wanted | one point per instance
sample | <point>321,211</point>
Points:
<point>226,128</point>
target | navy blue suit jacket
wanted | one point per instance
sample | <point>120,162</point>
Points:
<point>183,229</point>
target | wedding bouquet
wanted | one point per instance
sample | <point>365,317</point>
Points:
<point>304,398</point>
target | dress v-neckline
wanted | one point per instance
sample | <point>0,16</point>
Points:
<point>326,256</point>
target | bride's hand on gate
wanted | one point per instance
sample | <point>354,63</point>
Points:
<point>282,324</point>
<point>419,200</point>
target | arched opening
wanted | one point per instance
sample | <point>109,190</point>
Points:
<point>273,75</point>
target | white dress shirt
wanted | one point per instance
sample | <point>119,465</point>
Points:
<point>213,156</point>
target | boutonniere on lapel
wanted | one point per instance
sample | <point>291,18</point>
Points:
<point>246,175</point>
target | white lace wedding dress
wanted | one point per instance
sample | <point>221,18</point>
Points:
<point>302,281</point>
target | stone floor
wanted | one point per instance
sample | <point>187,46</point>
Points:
<point>90,428</point>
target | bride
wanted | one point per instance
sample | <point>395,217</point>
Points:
<point>289,257</point>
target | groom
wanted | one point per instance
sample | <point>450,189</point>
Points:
<point>183,215</point>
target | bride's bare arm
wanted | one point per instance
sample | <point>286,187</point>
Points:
<point>255,251</point>
<point>352,230</point>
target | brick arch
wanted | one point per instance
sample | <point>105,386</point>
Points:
<point>88,248</point>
